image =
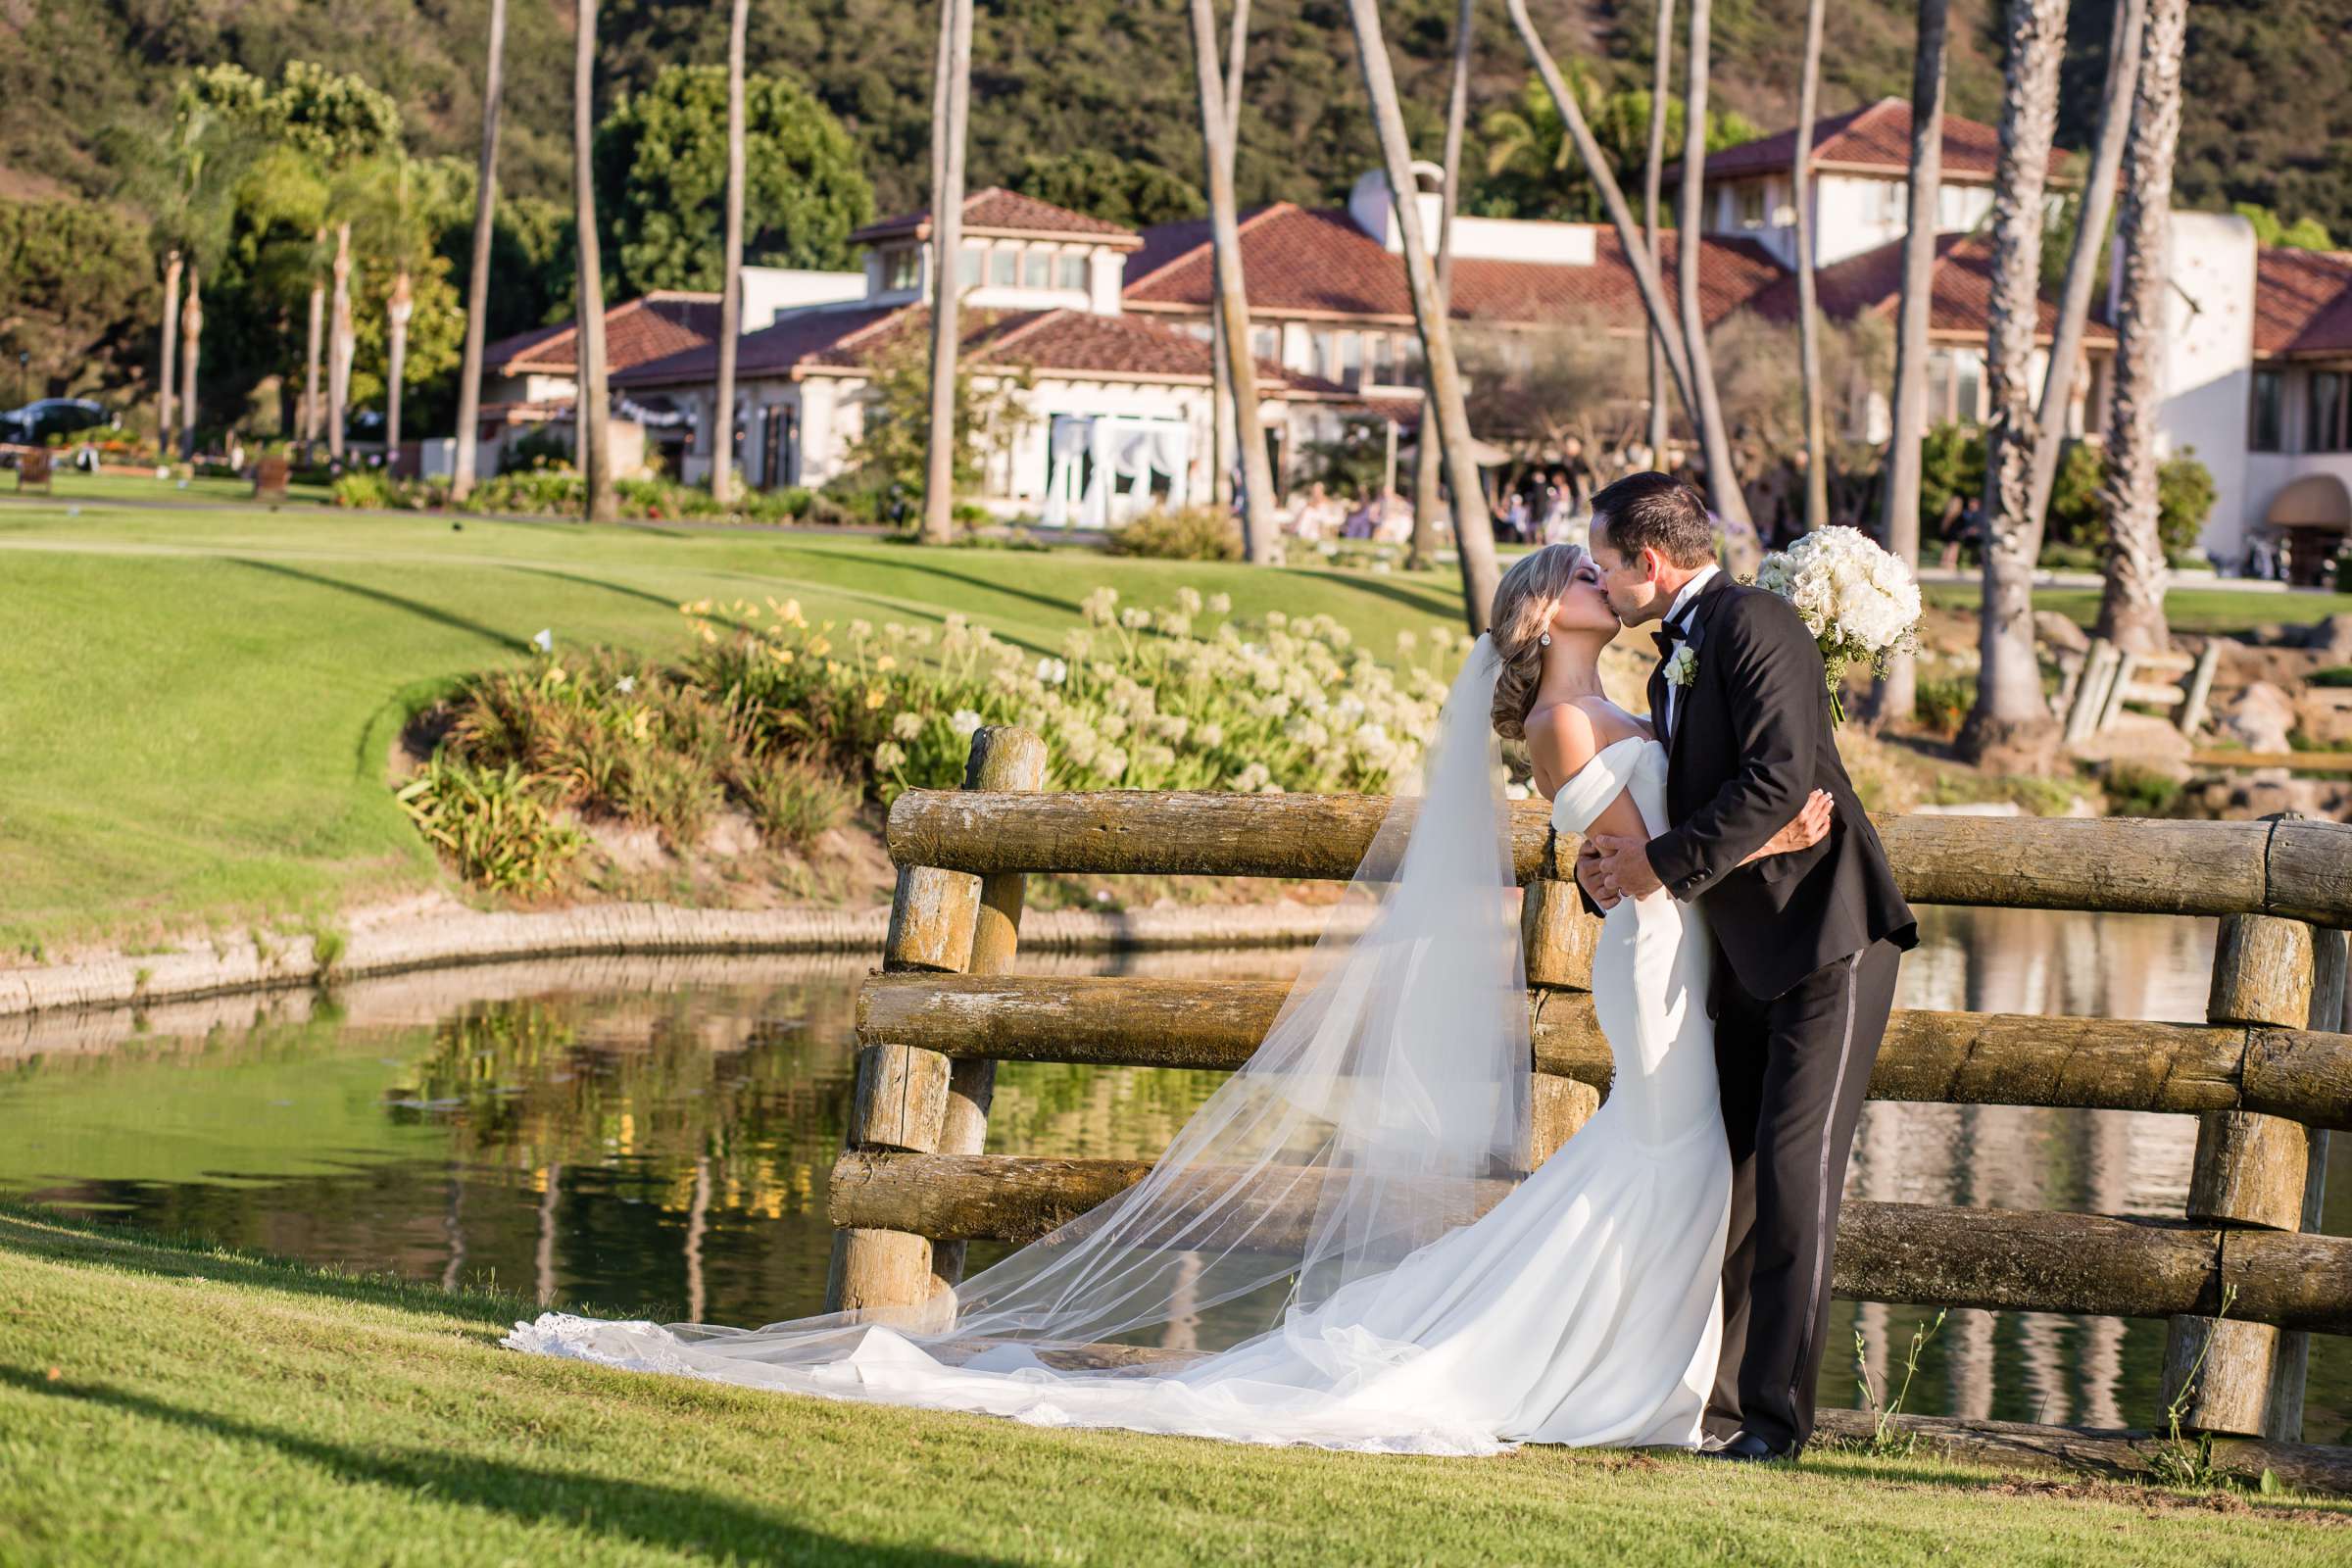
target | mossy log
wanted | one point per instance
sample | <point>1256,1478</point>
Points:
<point>1955,1057</point>
<point>2295,869</point>
<point>2002,1259</point>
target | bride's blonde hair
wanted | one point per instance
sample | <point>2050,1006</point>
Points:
<point>1523,604</point>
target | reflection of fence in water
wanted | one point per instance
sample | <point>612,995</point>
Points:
<point>2263,1083</point>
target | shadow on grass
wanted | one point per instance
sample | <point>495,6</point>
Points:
<point>670,1517</point>
<point>34,1232</point>
<point>1066,607</point>
<point>1432,600</point>
<point>424,611</point>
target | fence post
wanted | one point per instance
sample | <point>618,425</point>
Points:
<point>2200,689</point>
<point>2327,980</point>
<point>2250,1172</point>
<point>2127,666</point>
<point>1557,938</point>
<point>2090,690</point>
<point>906,1098</point>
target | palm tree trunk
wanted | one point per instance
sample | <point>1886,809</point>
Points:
<point>1898,691</point>
<point>397,311</point>
<point>2011,723</point>
<point>1259,533</point>
<point>2131,610</point>
<point>592,404</point>
<point>2090,238</point>
<point>477,281</point>
<point>1642,256</point>
<point>312,410</point>
<point>1723,475</point>
<point>1224,434</point>
<point>1653,165</point>
<point>1473,527</point>
<point>191,338</point>
<point>165,409</point>
<point>342,345</point>
<point>1808,309</point>
<point>1423,553</point>
<point>947,250</point>
<point>730,298</point>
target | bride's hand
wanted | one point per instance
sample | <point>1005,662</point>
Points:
<point>1808,827</point>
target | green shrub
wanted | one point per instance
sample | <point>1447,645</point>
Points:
<point>539,448</point>
<point>2343,573</point>
<point>531,493</point>
<point>1942,702</point>
<point>2335,675</point>
<point>793,799</point>
<point>369,488</point>
<point>2135,791</point>
<point>1195,533</point>
<point>492,822</point>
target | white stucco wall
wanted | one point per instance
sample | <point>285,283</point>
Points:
<point>2208,363</point>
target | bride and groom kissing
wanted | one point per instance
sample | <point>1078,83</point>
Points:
<point>1662,1279</point>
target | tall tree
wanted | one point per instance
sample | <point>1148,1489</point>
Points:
<point>342,345</point>
<point>1424,551</point>
<point>2131,609</point>
<point>2091,240</point>
<point>313,409</point>
<point>954,94</point>
<point>1723,475</point>
<point>1223,435</point>
<point>1898,689</point>
<point>1642,256</point>
<point>165,388</point>
<point>2011,721</point>
<point>592,404</point>
<point>477,279</point>
<point>1654,169</point>
<point>1473,527</point>
<point>1259,533</point>
<point>191,338</point>
<point>1808,307</point>
<point>730,295</point>
<point>398,309</point>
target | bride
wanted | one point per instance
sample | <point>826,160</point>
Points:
<point>1351,1215</point>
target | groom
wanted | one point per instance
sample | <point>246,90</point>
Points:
<point>1806,944</point>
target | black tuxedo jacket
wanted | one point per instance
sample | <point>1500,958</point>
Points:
<point>1751,739</point>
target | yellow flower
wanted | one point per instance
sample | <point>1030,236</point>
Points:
<point>884,664</point>
<point>783,656</point>
<point>709,635</point>
<point>820,647</point>
<point>555,675</point>
<point>874,700</point>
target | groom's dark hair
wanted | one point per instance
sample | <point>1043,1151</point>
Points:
<point>1655,512</point>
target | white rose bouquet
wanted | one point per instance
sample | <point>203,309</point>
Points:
<point>1858,601</point>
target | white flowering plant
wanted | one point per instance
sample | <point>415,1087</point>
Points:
<point>1859,601</point>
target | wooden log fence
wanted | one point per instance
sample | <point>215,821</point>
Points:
<point>2241,1276</point>
<point>2098,682</point>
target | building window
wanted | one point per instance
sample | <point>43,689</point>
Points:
<point>1323,354</point>
<point>1004,268</point>
<point>1384,360</point>
<point>1968,386</point>
<point>2269,433</point>
<point>902,269</point>
<point>1748,204</point>
<point>972,263</point>
<point>1072,267</point>
<point>1352,359</point>
<point>1037,267</point>
<point>2326,432</point>
<point>1265,343</point>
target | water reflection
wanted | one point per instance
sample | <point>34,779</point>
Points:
<point>651,1137</point>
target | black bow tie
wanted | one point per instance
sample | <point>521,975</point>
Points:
<point>1667,635</point>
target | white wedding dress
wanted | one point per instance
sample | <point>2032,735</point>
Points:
<point>1583,1309</point>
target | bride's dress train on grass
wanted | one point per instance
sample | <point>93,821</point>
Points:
<point>1583,1309</point>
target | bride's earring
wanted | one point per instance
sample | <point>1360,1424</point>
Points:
<point>1543,641</point>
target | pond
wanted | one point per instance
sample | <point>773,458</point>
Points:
<point>652,1137</point>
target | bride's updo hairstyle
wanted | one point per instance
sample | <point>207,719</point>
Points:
<point>1523,605</point>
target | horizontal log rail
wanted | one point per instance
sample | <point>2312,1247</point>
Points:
<point>1926,1255</point>
<point>2294,761</point>
<point>2299,870</point>
<point>1955,1057</point>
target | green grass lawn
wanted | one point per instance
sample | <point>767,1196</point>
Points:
<point>73,487</point>
<point>2190,609</point>
<point>199,704</point>
<point>188,1406</point>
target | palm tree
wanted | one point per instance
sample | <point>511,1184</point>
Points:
<point>1808,310</point>
<point>1473,527</point>
<point>398,309</point>
<point>730,297</point>
<point>2091,239</point>
<point>342,345</point>
<point>2011,719</point>
<point>1644,259</point>
<point>173,265</point>
<point>1233,301</point>
<point>1897,693</point>
<point>2131,610</point>
<point>477,282</point>
<point>1424,549</point>
<point>191,338</point>
<point>1221,427</point>
<point>1653,165</point>
<point>311,409</point>
<point>954,93</point>
<point>1723,477</point>
<point>592,404</point>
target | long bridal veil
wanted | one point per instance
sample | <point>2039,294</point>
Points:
<point>1383,1105</point>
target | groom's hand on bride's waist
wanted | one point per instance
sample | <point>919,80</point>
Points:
<point>1589,877</point>
<point>1621,862</point>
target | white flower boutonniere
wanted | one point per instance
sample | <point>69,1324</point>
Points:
<point>1682,669</point>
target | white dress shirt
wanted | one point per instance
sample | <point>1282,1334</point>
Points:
<point>1676,614</point>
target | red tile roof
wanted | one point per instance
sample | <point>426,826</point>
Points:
<point>1294,259</point>
<point>773,350</point>
<point>1872,284</point>
<point>2302,301</point>
<point>636,332</point>
<point>997,211</point>
<point>1875,138</point>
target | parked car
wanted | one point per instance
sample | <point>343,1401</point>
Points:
<point>37,421</point>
